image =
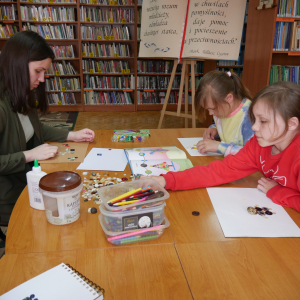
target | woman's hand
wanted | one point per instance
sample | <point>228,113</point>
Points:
<point>84,135</point>
<point>265,184</point>
<point>42,152</point>
<point>160,179</point>
<point>207,146</point>
<point>210,133</point>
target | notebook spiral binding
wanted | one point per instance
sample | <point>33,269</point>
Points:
<point>98,289</point>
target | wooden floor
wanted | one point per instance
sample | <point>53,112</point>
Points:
<point>127,120</point>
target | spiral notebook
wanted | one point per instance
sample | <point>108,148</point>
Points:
<point>60,283</point>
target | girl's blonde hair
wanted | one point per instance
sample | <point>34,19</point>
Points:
<point>216,85</point>
<point>282,97</point>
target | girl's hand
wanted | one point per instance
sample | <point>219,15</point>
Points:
<point>160,179</point>
<point>265,184</point>
<point>210,133</point>
<point>84,135</point>
<point>42,152</point>
<point>207,146</point>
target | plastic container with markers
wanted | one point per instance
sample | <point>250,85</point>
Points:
<point>112,191</point>
<point>134,236</point>
<point>132,220</point>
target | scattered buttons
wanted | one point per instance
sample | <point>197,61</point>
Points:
<point>92,210</point>
<point>195,213</point>
<point>124,179</point>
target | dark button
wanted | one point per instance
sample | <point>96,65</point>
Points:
<point>93,210</point>
<point>85,200</point>
<point>195,213</point>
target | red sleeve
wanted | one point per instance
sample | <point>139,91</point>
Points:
<point>231,168</point>
<point>286,196</point>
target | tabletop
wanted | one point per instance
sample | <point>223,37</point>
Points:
<point>212,266</point>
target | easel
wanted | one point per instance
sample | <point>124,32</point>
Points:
<point>183,82</point>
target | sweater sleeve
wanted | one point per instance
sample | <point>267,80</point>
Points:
<point>246,133</point>
<point>286,196</point>
<point>13,162</point>
<point>54,134</point>
<point>232,167</point>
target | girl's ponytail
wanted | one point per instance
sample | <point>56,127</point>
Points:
<point>240,91</point>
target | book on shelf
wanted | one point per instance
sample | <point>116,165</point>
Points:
<point>48,31</point>
<point>107,32</point>
<point>60,283</point>
<point>157,160</point>
<point>287,36</point>
<point>47,14</point>
<point>8,30</point>
<point>288,8</point>
<point>63,51</point>
<point>100,97</point>
<point>107,15</point>
<point>8,12</point>
<point>284,73</point>
<point>108,82</point>
<point>113,66</point>
<point>192,29</point>
<point>61,98</point>
<point>108,2</point>
<point>49,1</point>
<point>105,50</point>
<point>61,68</point>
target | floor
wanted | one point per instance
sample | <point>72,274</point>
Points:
<point>128,120</point>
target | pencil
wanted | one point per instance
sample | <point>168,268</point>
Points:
<point>124,195</point>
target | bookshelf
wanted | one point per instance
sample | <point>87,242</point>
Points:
<point>259,53</point>
<point>87,20</point>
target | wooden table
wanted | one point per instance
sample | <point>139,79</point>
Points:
<point>191,259</point>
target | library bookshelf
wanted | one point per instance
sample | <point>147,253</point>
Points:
<point>80,21</point>
<point>259,53</point>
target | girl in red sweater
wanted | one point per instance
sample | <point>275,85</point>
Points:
<point>274,150</point>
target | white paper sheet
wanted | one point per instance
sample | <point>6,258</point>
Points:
<point>231,205</point>
<point>104,159</point>
<point>57,283</point>
<point>189,144</point>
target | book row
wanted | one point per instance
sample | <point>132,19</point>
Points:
<point>284,73</point>
<point>61,98</point>
<point>62,31</point>
<point>108,15</point>
<point>287,36</point>
<point>62,84</point>
<point>48,1</point>
<point>63,68</point>
<point>159,98</point>
<point>164,66</point>
<point>113,66</point>
<point>8,12</point>
<point>63,51</point>
<point>161,82</point>
<point>288,8</point>
<point>108,32</point>
<point>108,2</point>
<point>105,50</point>
<point>48,14</point>
<point>108,82</point>
<point>96,98</point>
<point>8,30</point>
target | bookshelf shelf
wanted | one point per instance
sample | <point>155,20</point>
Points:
<point>104,5</point>
<point>259,53</point>
<point>49,22</point>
